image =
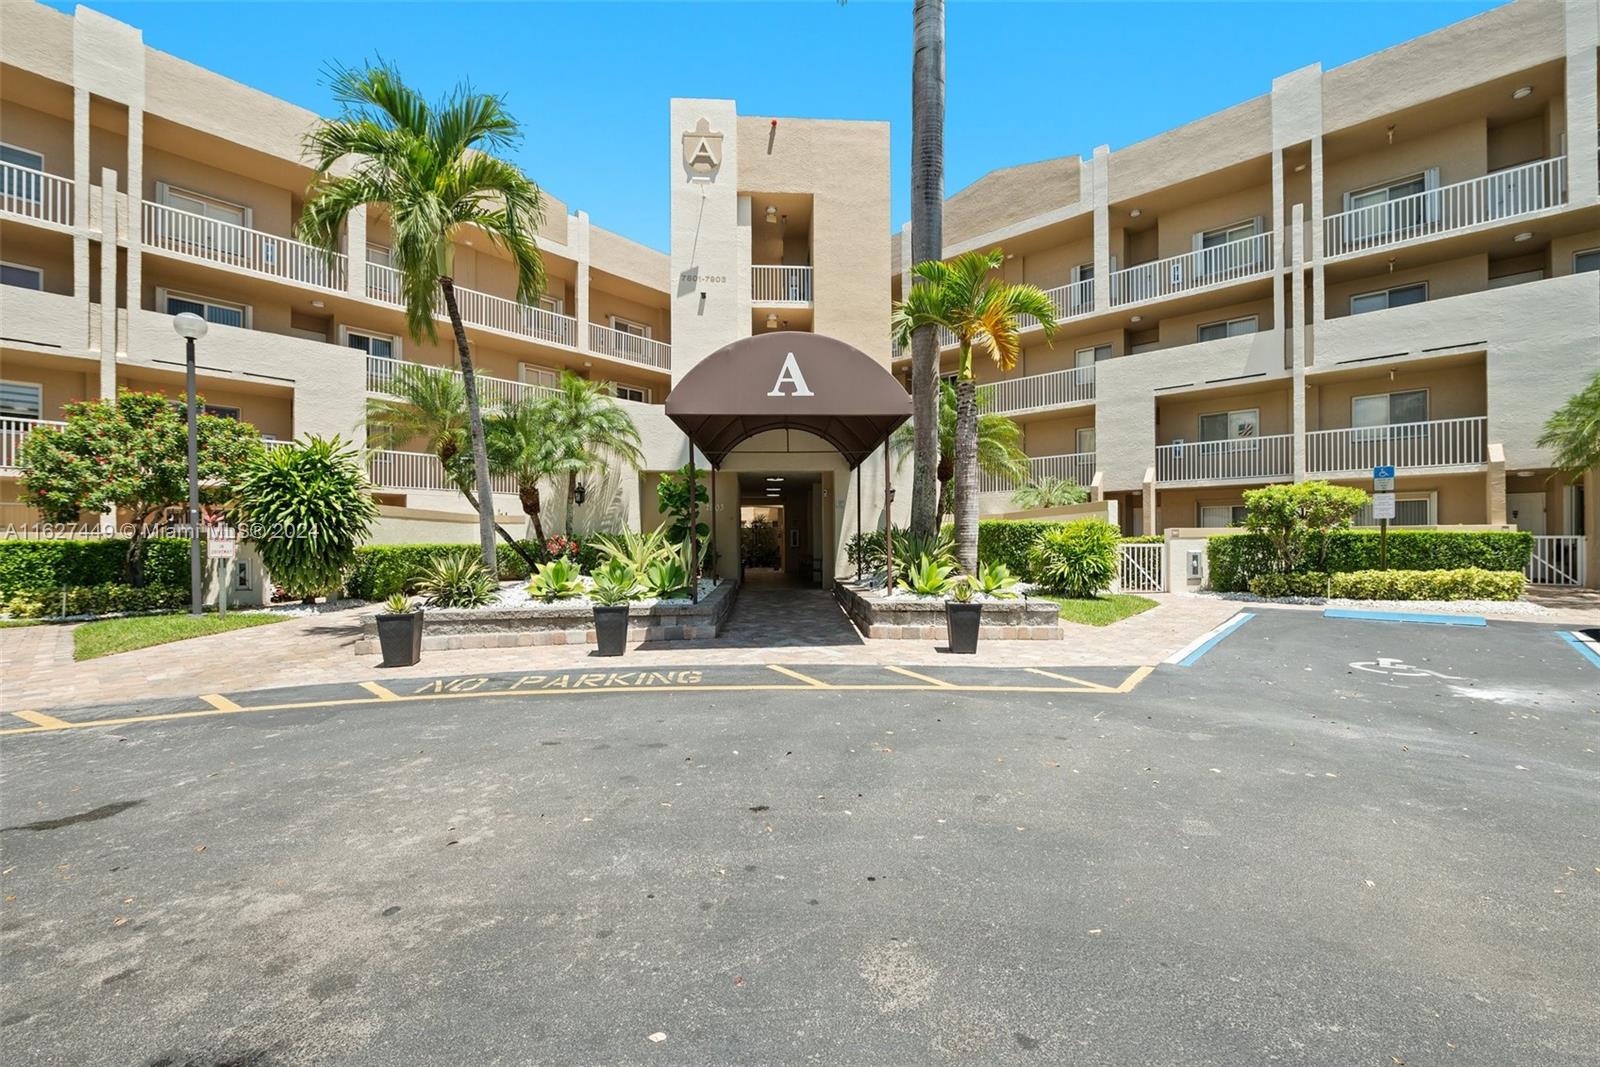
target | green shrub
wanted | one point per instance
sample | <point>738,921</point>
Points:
<point>1310,583</point>
<point>456,580</point>
<point>928,577</point>
<point>384,569</point>
<point>666,579</point>
<point>1008,541</point>
<point>1463,583</point>
<point>107,598</point>
<point>51,564</point>
<point>1145,539</point>
<point>615,582</point>
<point>907,546</point>
<point>1076,558</point>
<point>560,579</point>
<point>1235,559</point>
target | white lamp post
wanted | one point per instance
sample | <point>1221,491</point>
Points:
<point>191,328</point>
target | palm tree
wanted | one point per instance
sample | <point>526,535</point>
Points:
<point>965,298</point>
<point>522,448</point>
<point>1573,432</point>
<point>1049,493</point>
<point>999,444</point>
<point>430,405</point>
<point>927,243</point>
<point>589,430</point>
<point>431,169</point>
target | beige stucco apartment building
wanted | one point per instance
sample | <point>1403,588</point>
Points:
<point>1394,261</point>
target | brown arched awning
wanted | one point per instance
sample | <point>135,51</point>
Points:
<point>789,380</point>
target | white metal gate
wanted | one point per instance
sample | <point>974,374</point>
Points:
<point>1140,568</point>
<point>1557,560</point>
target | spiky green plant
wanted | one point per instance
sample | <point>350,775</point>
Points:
<point>1049,493</point>
<point>1572,432</point>
<point>637,550</point>
<point>560,579</point>
<point>666,579</point>
<point>614,582</point>
<point>306,507</point>
<point>456,580</point>
<point>927,577</point>
<point>1078,559</point>
<point>995,580</point>
<point>967,297</point>
<point>432,169</point>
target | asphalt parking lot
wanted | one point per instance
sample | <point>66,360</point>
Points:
<point>1324,841</point>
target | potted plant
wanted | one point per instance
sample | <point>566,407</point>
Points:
<point>614,584</point>
<point>962,617</point>
<point>400,631</point>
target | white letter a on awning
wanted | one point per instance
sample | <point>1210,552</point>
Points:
<point>790,372</point>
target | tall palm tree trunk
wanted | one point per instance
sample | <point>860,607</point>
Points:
<point>505,534</point>
<point>966,502</point>
<point>927,243</point>
<point>480,454</point>
<point>532,505</point>
<point>572,500</point>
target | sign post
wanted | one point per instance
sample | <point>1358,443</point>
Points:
<point>222,546</point>
<point>1383,509</point>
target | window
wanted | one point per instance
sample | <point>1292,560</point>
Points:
<point>632,392</point>
<point>1390,211</point>
<point>382,255</point>
<point>1383,194</point>
<point>1505,281</point>
<point>21,276</point>
<point>224,238</point>
<point>199,204</point>
<point>241,574</point>
<point>1088,357</point>
<point>1081,297</point>
<point>550,303</point>
<point>1399,296</point>
<point>1389,409</point>
<point>1085,439</point>
<point>221,411</point>
<point>1586,261</point>
<point>382,345</point>
<point>21,400</point>
<point>1212,331</point>
<point>1230,425</point>
<point>1227,234</point>
<point>628,326</point>
<point>22,186</point>
<point>1410,509</point>
<point>215,311</point>
<point>531,374</point>
<point>1221,515</point>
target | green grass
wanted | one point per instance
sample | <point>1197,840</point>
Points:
<point>1102,610</point>
<point>110,636</point>
<point>10,624</point>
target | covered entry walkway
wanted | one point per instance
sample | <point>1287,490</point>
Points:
<point>775,611</point>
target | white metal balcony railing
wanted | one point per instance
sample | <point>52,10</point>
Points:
<point>1558,560</point>
<point>1502,195</point>
<point>1077,467</point>
<point>34,194</point>
<point>171,230</point>
<point>1231,262</point>
<point>1034,392</point>
<point>481,309</point>
<point>1240,459</point>
<point>605,341</point>
<point>770,284</point>
<point>391,469</point>
<point>12,431</point>
<point>1436,443</point>
<point>1070,301</point>
<point>492,392</point>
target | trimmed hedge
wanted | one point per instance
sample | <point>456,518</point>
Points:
<point>1145,539</point>
<point>1237,558</point>
<point>383,570</point>
<point>1008,541</point>
<point>1311,583</point>
<point>105,599</point>
<point>51,564</point>
<point>1463,583</point>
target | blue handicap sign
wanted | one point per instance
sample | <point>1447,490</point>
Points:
<point>1383,472</point>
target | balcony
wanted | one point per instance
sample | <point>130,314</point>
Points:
<point>166,229</point>
<point>605,341</point>
<point>1407,446</point>
<point>1503,195</point>
<point>1070,301</point>
<point>779,286</point>
<point>1041,392</point>
<point>492,392</point>
<point>1247,459</point>
<point>392,469</point>
<point>12,431</point>
<point>33,194</point>
<point>1236,261</point>
<point>1077,467</point>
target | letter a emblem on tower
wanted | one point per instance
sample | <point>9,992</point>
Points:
<point>790,373</point>
<point>702,150</point>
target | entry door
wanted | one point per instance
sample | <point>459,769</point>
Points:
<point>1526,510</point>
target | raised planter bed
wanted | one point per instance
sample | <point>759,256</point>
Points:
<point>532,625</point>
<point>912,619</point>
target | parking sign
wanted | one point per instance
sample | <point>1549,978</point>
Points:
<point>1383,480</point>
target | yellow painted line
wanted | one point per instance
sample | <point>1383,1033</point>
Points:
<point>379,691</point>
<point>806,678</point>
<point>920,677</point>
<point>40,719</point>
<point>1068,678</point>
<point>220,702</point>
<point>1133,679</point>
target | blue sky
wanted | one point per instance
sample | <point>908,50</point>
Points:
<point>590,80</point>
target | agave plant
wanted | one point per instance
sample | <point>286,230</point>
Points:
<point>907,545</point>
<point>398,604</point>
<point>456,580</point>
<point>560,579</point>
<point>667,579</point>
<point>995,580</point>
<point>615,582</point>
<point>637,550</point>
<point>927,577</point>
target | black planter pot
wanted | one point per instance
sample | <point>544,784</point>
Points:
<point>400,637</point>
<point>611,628</point>
<point>962,621</point>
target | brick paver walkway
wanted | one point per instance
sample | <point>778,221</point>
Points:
<point>771,626</point>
